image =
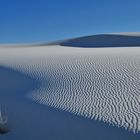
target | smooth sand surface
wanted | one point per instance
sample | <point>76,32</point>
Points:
<point>102,41</point>
<point>57,92</point>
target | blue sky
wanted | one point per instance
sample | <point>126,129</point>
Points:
<point>28,21</point>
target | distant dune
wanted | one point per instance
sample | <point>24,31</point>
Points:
<point>103,40</point>
<point>99,82</point>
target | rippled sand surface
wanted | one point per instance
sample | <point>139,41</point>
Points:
<point>97,83</point>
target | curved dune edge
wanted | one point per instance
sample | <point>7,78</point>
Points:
<point>99,84</point>
<point>102,41</point>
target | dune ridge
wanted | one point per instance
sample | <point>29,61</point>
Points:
<point>96,83</point>
<point>102,40</point>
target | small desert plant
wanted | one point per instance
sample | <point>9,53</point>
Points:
<point>3,120</point>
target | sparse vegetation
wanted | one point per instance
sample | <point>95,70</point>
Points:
<point>3,121</point>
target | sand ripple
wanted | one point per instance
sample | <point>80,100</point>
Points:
<point>94,83</point>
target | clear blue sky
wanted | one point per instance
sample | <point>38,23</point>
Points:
<point>24,21</point>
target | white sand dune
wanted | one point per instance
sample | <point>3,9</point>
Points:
<point>97,83</point>
<point>103,40</point>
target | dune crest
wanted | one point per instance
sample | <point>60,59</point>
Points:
<point>102,41</point>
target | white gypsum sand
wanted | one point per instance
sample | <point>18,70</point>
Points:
<point>97,83</point>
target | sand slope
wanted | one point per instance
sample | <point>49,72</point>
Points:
<point>97,83</point>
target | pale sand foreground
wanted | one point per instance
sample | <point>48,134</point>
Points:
<point>96,83</point>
